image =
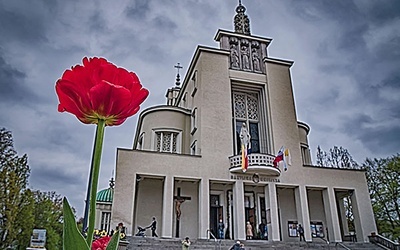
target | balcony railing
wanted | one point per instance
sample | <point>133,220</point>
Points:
<point>258,163</point>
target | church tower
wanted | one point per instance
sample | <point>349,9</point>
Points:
<point>227,146</point>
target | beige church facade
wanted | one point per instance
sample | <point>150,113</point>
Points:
<point>185,165</point>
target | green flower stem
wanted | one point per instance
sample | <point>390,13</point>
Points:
<point>98,147</point>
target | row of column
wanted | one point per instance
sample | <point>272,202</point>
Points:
<point>270,191</point>
<point>302,211</point>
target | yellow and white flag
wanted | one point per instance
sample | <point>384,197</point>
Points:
<point>287,159</point>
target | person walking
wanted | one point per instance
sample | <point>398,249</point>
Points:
<point>186,243</point>
<point>301,232</point>
<point>153,227</point>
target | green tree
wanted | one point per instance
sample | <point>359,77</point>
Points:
<point>26,219</point>
<point>49,215</point>
<point>14,174</point>
<point>337,157</point>
<point>383,177</point>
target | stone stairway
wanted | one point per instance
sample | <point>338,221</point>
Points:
<point>147,243</point>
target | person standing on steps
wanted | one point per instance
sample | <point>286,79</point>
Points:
<point>221,228</point>
<point>301,232</point>
<point>249,231</point>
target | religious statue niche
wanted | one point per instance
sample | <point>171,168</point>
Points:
<point>255,56</point>
<point>245,53</point>
<point>234,56</point>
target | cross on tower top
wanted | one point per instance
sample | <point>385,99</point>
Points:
<point>178,77</point>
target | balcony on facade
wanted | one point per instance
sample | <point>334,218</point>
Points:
<point>258,163</point>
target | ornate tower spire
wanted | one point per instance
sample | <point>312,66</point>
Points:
<point>241,20</point>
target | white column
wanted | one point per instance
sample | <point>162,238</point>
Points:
<point>125,210</point>
<point>204,208</point>
<point>167,212</point>
<point>238,211</point>
<point>331,213</point>
<point>274,233</point>
<point>303,214</point>
<point>363,214</point>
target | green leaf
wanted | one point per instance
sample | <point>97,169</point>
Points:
<point>113,244</point>
<point>72,238</point>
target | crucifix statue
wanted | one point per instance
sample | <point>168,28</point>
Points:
<point>178,202</point>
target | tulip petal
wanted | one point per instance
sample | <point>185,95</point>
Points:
<point>100,90</point>
<point>109,100</point>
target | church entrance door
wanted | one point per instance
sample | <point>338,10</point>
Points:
<point>216,212</point>
<point>249,209</point>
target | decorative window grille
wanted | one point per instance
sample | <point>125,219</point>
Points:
<point>166,141</point>
<point>246,110</point>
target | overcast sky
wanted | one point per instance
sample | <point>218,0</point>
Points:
<point>346,72</point>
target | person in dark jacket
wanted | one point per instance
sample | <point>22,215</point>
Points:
<point>236,246</point>
<point>301,232</point>
<point>153,227</point>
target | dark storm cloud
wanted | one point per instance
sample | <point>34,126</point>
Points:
<point>23,21</point>
<point>380,139</point>
<point>12,85</point>
<point>381,12</point>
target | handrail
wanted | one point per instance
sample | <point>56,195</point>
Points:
<point>380,240</point>
<point>326,241</point>
<point>215,239</point>
<point>342,245</point>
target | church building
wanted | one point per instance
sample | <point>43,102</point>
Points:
<point>210,154</point>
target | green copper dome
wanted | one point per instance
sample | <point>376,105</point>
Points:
<point>105,195</point>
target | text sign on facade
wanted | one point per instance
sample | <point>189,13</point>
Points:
<point>250,178</point>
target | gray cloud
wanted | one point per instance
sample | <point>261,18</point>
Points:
<point>13,87</point>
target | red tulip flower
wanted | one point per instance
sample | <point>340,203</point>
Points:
<point>100,90</point>
<point>97,92</point>
<point>101,243</point>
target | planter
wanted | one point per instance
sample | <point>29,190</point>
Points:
<point>123,244</point>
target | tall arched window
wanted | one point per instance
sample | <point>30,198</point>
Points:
<point>249,107</point>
